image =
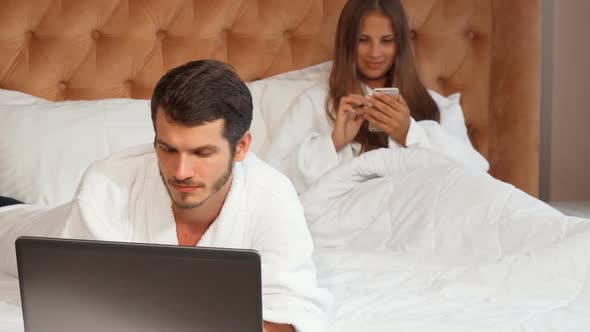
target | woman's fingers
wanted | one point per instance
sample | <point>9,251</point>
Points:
<point>359,119</point>
<point>354,100</point>
<point>348,113</point>
<point>377,122</point>
<point>381,106</point>
<point>392,120</point>
<point>377,114</point>
<point>391,101</point>
<point>347,109</point>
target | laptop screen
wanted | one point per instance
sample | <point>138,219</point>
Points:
<point>69,285</point>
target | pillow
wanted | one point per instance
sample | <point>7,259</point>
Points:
<point>46,147</point>
<point>451,115</point>
<point>316,73</point>
<point>272,99</point>
<point>9,97</point>
<point>273,96</point>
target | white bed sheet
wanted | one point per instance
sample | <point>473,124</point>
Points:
<point>383,297</point>
<point>382,292</point>
<point>10,311</point>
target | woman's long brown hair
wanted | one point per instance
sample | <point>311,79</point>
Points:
<point>403,74</point>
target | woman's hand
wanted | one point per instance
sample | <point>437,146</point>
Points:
<point>349,118</point>
<point>390,114</point>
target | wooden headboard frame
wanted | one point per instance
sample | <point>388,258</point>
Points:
<point>489,50</point>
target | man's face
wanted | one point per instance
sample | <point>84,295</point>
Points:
<point>195,162</point>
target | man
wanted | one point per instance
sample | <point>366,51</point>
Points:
<point>201,187</point>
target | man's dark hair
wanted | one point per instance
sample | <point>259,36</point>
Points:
<point>202,91</point>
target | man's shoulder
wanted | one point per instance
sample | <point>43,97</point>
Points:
<point>126,159</point>
<point>272,203</point>
<point>263,178</point>
<point>120,169</point>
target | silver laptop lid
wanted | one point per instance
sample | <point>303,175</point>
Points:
<point>74,285</point>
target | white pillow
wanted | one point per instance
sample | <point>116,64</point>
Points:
<point>272,97</point>
<point>46,147</point>
<point>451,115</point>
<point>316,73</point>
<point>9,97</point>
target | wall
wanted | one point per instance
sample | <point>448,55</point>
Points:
<point>565,130</point>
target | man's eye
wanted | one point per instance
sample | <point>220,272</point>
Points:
<point>204,154</point>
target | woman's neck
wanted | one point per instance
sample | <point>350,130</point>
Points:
<point>375,83</point>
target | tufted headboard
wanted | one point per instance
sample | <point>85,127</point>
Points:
<point>489,50</point>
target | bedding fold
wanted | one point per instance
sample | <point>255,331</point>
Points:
<point>466,251</point>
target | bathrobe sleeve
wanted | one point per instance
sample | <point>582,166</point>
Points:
<point>433,136</point>
<point>63,221</point>
<point>303,149</point>
<point>449,137</point>
<point>290,291</point>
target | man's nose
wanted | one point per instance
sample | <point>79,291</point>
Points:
<point>183,169</point>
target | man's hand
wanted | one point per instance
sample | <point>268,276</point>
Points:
<point>274,327</point>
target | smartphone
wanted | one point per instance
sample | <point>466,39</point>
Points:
<point>394,92</point>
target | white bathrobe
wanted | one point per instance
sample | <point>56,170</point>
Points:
<point>304,150</point>
<point>123,198</point>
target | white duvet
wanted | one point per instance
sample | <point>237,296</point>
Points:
<point>408,241</point>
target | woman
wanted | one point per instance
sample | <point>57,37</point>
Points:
<point>329,123</point>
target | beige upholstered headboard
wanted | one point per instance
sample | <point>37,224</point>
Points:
<point>489,50</point>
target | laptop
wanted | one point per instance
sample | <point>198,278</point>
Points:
<point>76,285</point>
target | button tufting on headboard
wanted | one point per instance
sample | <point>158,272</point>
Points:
<point>161,34</point>
<point>96,34</point>
<point>479,48</point>
<point>62,85</point>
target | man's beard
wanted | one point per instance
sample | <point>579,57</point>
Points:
<point>217,185</point>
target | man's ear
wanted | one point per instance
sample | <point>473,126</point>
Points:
<point>243,146</point>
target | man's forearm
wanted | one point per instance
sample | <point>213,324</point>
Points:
<point>274,327</point>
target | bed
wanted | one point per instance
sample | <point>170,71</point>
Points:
<point>74,76</point>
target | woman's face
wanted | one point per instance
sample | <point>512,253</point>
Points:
<point>376,49</point>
